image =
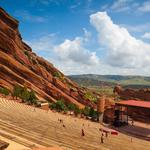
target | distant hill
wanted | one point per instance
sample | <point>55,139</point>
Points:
<point>111,80</point>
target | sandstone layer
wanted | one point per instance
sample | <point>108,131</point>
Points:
<point>141,94</point>
<point>20,65</point>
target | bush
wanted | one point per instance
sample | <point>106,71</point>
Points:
<point>27,54</point>
<point>86,111</point>
<point>17,91</point>
<point>60,105</point>
<point>89,95</point>
<point>24,94</point>
<point>4,91</point>
<point>59,76</point>
<point>52,106</point>
<point>32,97</point>
<point>93,113</point>
<point>71,107</point>
<point>77,110</point>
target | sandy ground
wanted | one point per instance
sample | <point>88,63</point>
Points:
<point>43,128</point>
<point>13,145</point>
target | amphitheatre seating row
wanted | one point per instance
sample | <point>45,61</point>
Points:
<point>43,127</point>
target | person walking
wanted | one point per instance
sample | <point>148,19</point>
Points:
<point>82,133</point>
<point>106,134</point>
<point>102,138</point>
<point>132,122</point>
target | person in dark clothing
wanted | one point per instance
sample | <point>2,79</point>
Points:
<point>132,122</point>
<point>102,138</point>
<point>83,134</point>
<point>106,134</point>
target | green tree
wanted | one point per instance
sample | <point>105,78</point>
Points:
<point>24,95</point>
<point>4,91</point>
<point>32,98</point>
<point>17,91</point>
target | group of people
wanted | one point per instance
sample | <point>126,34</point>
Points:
<point>102,135</point>
<point>62,122</point>
<point>103,132</point>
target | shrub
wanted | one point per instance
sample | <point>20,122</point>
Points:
<point>86,111</point>
<point>60,105</point>
<point>24,94</point>
<point>52,106</point>
<point>77,110</point>
<point>59,76</point>
<point>93,113</point>
<point>71,106</point>
<point>32,97</point>
<point>4,91</point>
<point>28,55</point>
<point>17,91</point>
<point>89,95</point>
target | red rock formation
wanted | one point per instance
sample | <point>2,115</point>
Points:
<point>142,94</point>
<point>19,65</point>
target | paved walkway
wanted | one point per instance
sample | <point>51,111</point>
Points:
<point>139,129</point>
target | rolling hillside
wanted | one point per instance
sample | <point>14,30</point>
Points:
<point>111,80</point>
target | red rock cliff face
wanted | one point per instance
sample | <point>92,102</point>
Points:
<point>19,65</point>
<point>142,94</point>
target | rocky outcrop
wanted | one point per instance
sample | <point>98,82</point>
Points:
<point>142,94</point>
<point>19,65</point>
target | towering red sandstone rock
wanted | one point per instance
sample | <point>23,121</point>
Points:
<point>19,65</point>
<point>141,94</point>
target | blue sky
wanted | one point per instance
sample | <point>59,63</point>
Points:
<point>87,36</point>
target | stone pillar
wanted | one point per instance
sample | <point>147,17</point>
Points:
<point>101,108</point>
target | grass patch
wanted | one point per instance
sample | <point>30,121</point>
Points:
<point>89,95</point>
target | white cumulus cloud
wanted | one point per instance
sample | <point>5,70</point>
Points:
<point>74,51</point>
<point>146,35</point>
<point>123,50</point>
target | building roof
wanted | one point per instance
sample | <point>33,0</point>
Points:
<point>134,103</point>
